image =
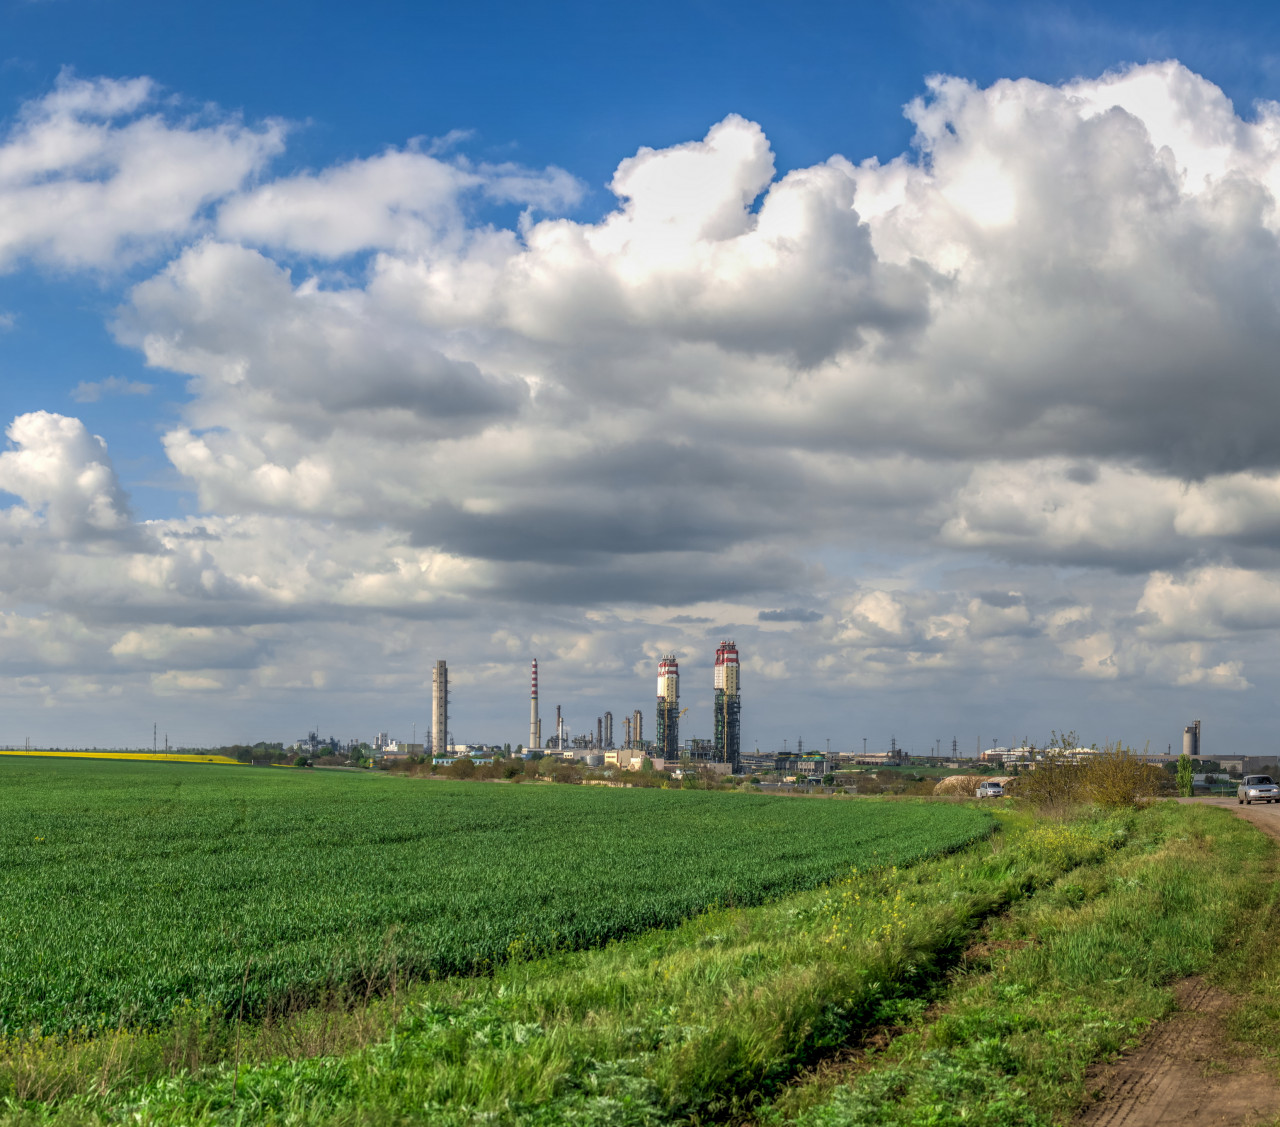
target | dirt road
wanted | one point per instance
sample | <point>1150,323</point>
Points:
<point>1187,1071</point>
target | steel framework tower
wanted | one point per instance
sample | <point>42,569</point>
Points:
<point>728,706</point>
<point>667,742</point>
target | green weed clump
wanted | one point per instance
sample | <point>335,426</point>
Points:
<point>133,891</point>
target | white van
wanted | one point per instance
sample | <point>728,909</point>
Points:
<point>989,790</point>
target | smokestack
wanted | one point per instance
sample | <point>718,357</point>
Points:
<point>535,725</point>
<point>440,709</point>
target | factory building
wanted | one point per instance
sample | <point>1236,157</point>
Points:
<point>439,708</point>
<point>535,724</point>
<point>667,742</point>
<point>728,706</point>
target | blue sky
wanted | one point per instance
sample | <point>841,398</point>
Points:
<point>576,85</point>
<point>393,374</point>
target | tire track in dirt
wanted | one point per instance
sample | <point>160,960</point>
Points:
<point>1188,1071</point>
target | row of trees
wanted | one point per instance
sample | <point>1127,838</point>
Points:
<point>552,769</point>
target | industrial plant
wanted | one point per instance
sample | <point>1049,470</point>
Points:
<point>594,745</point>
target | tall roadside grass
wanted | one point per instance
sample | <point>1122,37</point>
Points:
<point>1064,979</point>
<point>698,1024</point>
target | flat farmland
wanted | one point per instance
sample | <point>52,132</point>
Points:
<point>128,890</point>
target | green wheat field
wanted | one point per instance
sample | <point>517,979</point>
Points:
<point>129,891</point>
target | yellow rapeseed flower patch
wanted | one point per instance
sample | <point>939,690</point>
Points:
<point>145,756</point>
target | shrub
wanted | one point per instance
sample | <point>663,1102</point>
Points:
<point>1057,783</point>
<point>1185,771</point>
<point>1117,777</point>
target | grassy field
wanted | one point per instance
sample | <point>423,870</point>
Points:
<point>134,891</point>
<point>974,988</point>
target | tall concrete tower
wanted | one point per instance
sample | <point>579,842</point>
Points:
<point>668,734</point>
<point>440,709</point>
<point>608,729</point>
<point>535,725</point>
<point>728,706</point>
<point>637,728</point>
<point>1191,740</point>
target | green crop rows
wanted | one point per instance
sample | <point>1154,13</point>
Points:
<point>127,890</point>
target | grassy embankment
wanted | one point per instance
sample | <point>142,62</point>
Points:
<point>1004,970</point>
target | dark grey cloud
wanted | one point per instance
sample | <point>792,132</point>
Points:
<point>791,614</point>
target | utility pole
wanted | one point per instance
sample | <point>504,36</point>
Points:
<point>154,745</point>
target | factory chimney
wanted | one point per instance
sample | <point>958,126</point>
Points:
<point>728,706</point>
<point>637,728</point>
<point>608,729</point>
<point>668,734</point>
<point>440,709</point>
<point>535,725</point>
<point>626,728</point>
<point>559,730</point>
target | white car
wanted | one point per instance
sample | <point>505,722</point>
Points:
<point>989,790</point>
<point>1257,788</point>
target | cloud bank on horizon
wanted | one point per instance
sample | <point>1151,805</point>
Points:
<point>1000,409</point>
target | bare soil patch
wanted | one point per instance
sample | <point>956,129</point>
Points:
<point>1188,1071</point>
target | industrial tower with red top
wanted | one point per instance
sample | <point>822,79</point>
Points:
<point>667,744</point>
<point>728,706</point>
